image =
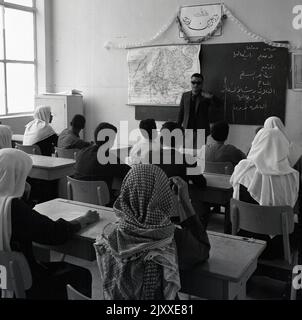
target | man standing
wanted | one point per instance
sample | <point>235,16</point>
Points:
<point>194,107</point>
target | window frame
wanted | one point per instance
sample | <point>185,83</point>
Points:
<point>5,61</point>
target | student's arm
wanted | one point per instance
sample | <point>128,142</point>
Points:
<point>79,144</point>
<point>192,241</point>
<point>31,225</point>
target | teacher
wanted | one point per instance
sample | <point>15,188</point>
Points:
<point>194,107</point>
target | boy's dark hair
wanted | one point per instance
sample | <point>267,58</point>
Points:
<point>171,126</point>
<point>148,125</point>
<point>220,131</point>
<point>197,75</point>
<point>100,127</point>
<point>78,122</point>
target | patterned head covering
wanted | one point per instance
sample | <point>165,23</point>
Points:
<point>140,255</point>
<point>146,200</point>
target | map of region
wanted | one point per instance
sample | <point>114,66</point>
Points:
<point>159,75</point>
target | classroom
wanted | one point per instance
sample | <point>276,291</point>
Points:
<point>99,142</point>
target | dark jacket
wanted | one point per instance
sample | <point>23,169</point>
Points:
<point>201,116</point>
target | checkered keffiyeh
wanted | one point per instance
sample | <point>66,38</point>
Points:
<point>138,260</point>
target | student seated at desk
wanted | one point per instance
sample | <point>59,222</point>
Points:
<point>69,138</point>
<point>141,256</point>
<point>218,151</point>
<point>21,226</point>
<point>40,132</point>
<point>266,178</point>
<point>5,137</point>
<point>147,142</point>
<point>175,163</point>
<point>88,165</point>
<point>295,152</point>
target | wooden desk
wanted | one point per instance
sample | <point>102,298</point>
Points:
<point>232,262</point>
<point>51,168</point>
<point>232,259</point>
<point>82,245</point>
<point>219,191</point>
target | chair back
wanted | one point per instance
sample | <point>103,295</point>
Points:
<point>18,274</point>
<point>34,149</point>
<point>95,192</point>
<point>66,153</point>
<point>73,294</point>
<point>269,220</point>
<point>219,167</point>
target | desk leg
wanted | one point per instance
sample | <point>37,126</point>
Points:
<point>242,293</point>
<point>227,220</point>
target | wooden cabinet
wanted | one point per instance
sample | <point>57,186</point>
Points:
<point>63,108</point>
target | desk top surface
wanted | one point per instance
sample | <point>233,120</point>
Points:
<point>230,256</point>
<point>50,162</point>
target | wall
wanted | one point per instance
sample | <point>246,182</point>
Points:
<point>79,60</point>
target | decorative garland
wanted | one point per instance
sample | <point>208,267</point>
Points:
<point>111,45</point>
<point>227,13</point>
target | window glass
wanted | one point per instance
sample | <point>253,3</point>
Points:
<point>20,87</point>
<point>2,92</point>
<point>27,3</point>
<point>19,36</point>
<point>1,33</point>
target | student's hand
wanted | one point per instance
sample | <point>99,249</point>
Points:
<point>180,188</point>
<point>91,216</point>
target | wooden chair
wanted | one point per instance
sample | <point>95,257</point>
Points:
<point>95,192</point>
<point>18,275</point>
<point>34,149</point>
<point>267,220</point>
<point>73,294</point>
<point>219,167</point>
<point>66,153</point>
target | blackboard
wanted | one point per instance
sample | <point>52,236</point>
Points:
<point>250,79</point>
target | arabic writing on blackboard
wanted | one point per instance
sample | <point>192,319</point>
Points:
<point>249,78</point>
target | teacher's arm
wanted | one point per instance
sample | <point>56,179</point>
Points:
<point>181,111</point>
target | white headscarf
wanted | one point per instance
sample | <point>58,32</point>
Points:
<point>5,137</point>
<point>266,173</point>
<point>295,152</point>
<point>15,166</point>
<point>38,129</point>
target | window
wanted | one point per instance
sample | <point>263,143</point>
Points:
<point>17,56</point>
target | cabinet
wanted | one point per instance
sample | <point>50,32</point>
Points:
<point>63,108</point>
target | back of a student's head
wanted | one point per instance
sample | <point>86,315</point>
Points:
<point>78,122</point>
<point>148,129</point>
<point>171,134</point>
<point>103,132</point>
<point>220,131</point>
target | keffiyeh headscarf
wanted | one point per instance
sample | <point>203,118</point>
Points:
<point>15,166</point>
<point>142,261</point>
<point>5,137</point>
<point>266,172</point>
<point>38,129</point>
<point>295,152</point>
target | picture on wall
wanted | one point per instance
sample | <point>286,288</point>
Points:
<point>201,20</point>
